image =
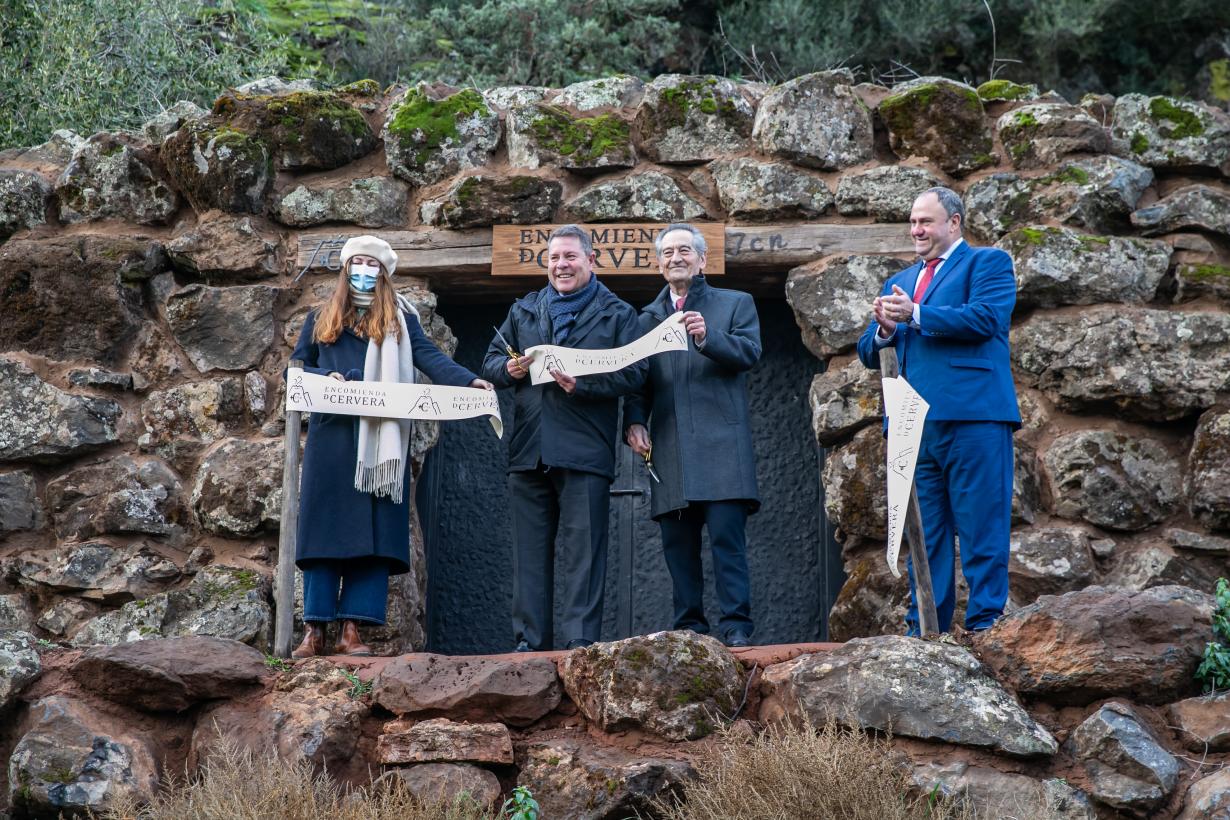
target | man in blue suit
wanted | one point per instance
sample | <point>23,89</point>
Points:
<point>947,316</point>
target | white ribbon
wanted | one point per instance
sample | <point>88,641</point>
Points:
<point>906,411</point>
<point>310,393</point>
<point>575,361</point>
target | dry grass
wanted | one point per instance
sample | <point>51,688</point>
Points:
<point>237,785</point>
<point>806,773</point>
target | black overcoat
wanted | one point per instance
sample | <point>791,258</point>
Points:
<point>695,403</point>
<point>336,520</point>
<point>578,431</point>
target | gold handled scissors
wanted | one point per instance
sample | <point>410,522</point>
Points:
<point>509,349</point>
<point>649,463</point>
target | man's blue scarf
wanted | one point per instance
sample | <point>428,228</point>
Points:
<point>565,307</point>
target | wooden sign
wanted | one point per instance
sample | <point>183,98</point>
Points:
<point>619,249</point>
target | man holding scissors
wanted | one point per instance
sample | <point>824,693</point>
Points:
<point>561,454</point>
<point>695,404</point>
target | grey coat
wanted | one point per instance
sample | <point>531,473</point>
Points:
<point>695,403</point>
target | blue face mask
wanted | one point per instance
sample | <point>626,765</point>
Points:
<point>363,277</point>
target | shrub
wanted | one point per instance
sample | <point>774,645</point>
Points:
<point>239,785</point>
<point>1214,670</point>
<point>804,773</point>
<point>1070,45</point>
<point>518,42</point>
<point>91,65</point>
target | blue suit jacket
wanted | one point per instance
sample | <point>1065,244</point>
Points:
<point>958,361</point>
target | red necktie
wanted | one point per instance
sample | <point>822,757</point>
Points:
<point>679,303</point>
<point>925,279</point>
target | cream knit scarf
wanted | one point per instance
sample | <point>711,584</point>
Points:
<point>384,443</point>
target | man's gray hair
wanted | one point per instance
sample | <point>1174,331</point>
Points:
<point>950,200</point>
<point>698,239</point>
<point>576,231</point>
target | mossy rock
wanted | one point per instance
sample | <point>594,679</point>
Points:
<point>1006,91</point>
<point>545,134</point>
<point>1167,132</point>
<point>489,200</point>
<point>691,119</point>
<point>219,166</point>
<point>941,120</point>
<point>115,176</point>
<point>304,129</point>
<point>677,685</point>
<point>1041,134</point>
<point>360,88</point>
<point>428,139</point>
<point>815,120</point>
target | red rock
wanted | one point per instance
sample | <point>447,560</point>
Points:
<point>446,782</point>
<point>513,692</point>
<point>171,674</point>
<point>1203,722</point>
<point>442,740</point>
<point>1102,641</point>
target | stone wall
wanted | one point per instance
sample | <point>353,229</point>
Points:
<point>149,305</point>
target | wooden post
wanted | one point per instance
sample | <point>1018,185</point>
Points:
<point>284,581</point>
<point>924,595</point>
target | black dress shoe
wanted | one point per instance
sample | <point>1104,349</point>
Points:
<point>738,638</point>
<point>522,646</point>
<point>579,643</point>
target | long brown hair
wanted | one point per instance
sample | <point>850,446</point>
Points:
<point>339,312</point>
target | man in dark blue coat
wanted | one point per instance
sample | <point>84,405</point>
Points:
<point>561,453</point>
<point>947,316</point>
<point>696,408</point>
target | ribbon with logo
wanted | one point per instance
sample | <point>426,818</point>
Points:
<point>575,361</point>
<point>310,393</point>
<point>906,411</point>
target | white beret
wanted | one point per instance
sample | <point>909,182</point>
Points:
<point>372,246</point>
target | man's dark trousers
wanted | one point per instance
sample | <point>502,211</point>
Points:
<point>574,504</point>
<point>681,544</point>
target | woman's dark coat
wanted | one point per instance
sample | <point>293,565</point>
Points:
<point>336,520</point>
<point>576,432</point>
<point>695,402</point>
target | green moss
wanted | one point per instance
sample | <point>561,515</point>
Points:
<point>362,88</point>
<point>1219,80</point>
<point>583,140</point>
<point>294,112</point>
<point>467,192</point>
<point>432,123</point>
<point>674,103</point>
<point>1036,236</point>
<point>900,111</point>
<point>1139,143</point>
<point>1094,243</point>
<point>1186,123</point>
<point>231,137</point>
<point>1024,119</point>
<point>236,582</point>
<point>1004,90</point>
<point>1205,272</point>
<point>60,775</point>
<point>1072,174</point>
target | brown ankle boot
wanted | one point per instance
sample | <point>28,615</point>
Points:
<point>348,641</point>
<point>313,641</point>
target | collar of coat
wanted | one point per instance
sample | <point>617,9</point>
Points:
<point>664,304</point>
<point>535,303</point>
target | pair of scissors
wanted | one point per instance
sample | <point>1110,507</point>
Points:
<point>509,349</point>
<point>649,463</point>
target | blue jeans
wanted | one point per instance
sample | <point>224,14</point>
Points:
<point>354,589</point>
